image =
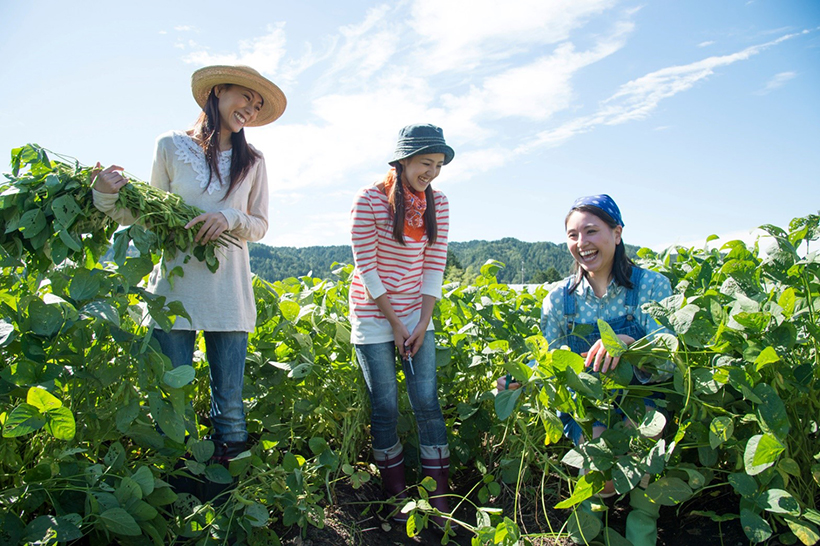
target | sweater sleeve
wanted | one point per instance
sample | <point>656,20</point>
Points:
<point>364,239</point>
<point>435,255</point>
<point>253,224</point>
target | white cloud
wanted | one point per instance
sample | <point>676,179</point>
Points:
<point>312,230</point>
<point>183,28</point>
<point>707,43</point>
<point>778,81</point>
<point>467,33</point>
<point>264,53</point>
<point>637,99</point>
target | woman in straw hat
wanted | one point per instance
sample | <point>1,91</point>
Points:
<point>399,235</point>
<point>211,166</point>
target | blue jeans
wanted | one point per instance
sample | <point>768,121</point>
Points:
<point>226,352</point>
<point>378,363</point>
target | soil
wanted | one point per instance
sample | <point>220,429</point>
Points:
<point>349,521</point>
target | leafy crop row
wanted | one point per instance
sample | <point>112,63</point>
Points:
<point>84,392</point>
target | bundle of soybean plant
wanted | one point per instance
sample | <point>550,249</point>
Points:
<point>162,218</point>
<point>48,216</point>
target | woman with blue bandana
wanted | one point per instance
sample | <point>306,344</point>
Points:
<point>606,285</point>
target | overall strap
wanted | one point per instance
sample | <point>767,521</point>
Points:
<point>569,304</point>
<point>632,298</point>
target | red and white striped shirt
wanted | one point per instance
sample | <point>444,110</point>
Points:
<point>383,266</point>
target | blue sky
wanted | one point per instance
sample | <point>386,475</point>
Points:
<point>698,117</point>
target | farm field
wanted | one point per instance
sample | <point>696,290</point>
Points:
<point>84,394</point>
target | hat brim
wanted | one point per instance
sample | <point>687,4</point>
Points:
<point>448,152</point>
<point>273,99</point>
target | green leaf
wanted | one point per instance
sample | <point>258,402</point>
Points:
<point>772,411</point>
<point>669,491</point>
<point>141,510</point>
<point>653,424</point>
<point>582,526</point>
<point>805,531</point>
<point>755,527</point>
<point>612,343</point>
<point>257,515</point>
<point>767,356</point>
<point>145,479</point>
<point>127,489</point>
<point>744,484</point>
<point>203,450</point>
<point>626,474</point>
<point>46,320</point>
<point>779,501</point>
<point>289,309</point>
<point>31,223</point>
<point>218,474</point>
<point>41,528</point>
<point>787,302</point>
<point>561,360</point>
<point>179,376</point>
<point>42,399</point>
<point>586,486</point>
<point>720,430</point>
<point>761,452</point>
<point>505,403</point>
<point>6,331</point>
<point>118,521</point>
<point>65,210</point>
<point>24,419</point>
<point>84,285</point>
<point>102,310</point>
<point>60,423</point>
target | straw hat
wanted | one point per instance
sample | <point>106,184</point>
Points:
<point>273,100</point>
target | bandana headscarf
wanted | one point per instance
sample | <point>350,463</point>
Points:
<point>603,202</point>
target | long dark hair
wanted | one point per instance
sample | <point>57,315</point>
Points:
<point>621,263</point>
<point>206,133</point>
<point>396,200</point>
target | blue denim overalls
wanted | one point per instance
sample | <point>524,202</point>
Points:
<point>626,324</point>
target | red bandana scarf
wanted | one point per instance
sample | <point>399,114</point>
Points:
<point>415,203</point>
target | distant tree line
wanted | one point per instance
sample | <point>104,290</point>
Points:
<point>526,263</point>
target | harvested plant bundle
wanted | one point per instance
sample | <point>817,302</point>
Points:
<point>48,212</point>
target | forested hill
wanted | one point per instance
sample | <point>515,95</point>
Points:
<point>541,261</point>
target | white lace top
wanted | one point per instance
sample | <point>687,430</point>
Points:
<point>222,301</point>
<point>191,153</point>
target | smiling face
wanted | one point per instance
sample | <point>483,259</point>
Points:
<point>238,106</point>
<point>592,243</point>
<point>420,170</point>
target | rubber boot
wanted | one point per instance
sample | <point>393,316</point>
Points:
<point>223,453</point>
<point>393,481</point>
<point>642,520</point>
<point>439,470</point>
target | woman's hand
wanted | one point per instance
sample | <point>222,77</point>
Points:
<point>214,224</point>
<point>400,336</point>
<point>506,382</point>
<point>600,359</point>
<point>108,180</point>
<point>416,339</point>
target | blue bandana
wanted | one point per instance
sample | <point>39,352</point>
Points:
<point>603,202</point>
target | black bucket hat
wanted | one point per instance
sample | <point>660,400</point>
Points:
<point>421,139</point>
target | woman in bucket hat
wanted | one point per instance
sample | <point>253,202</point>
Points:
<point>399,235</point>
<point>607,285</point>
<point>212,167</point>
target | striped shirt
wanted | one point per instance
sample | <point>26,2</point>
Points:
<point>383,266</point>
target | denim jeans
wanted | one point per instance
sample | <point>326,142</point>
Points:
<point>226,352</point>
<point>378,363</point>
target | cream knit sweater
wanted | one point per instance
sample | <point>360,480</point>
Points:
<point>222,301</point>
